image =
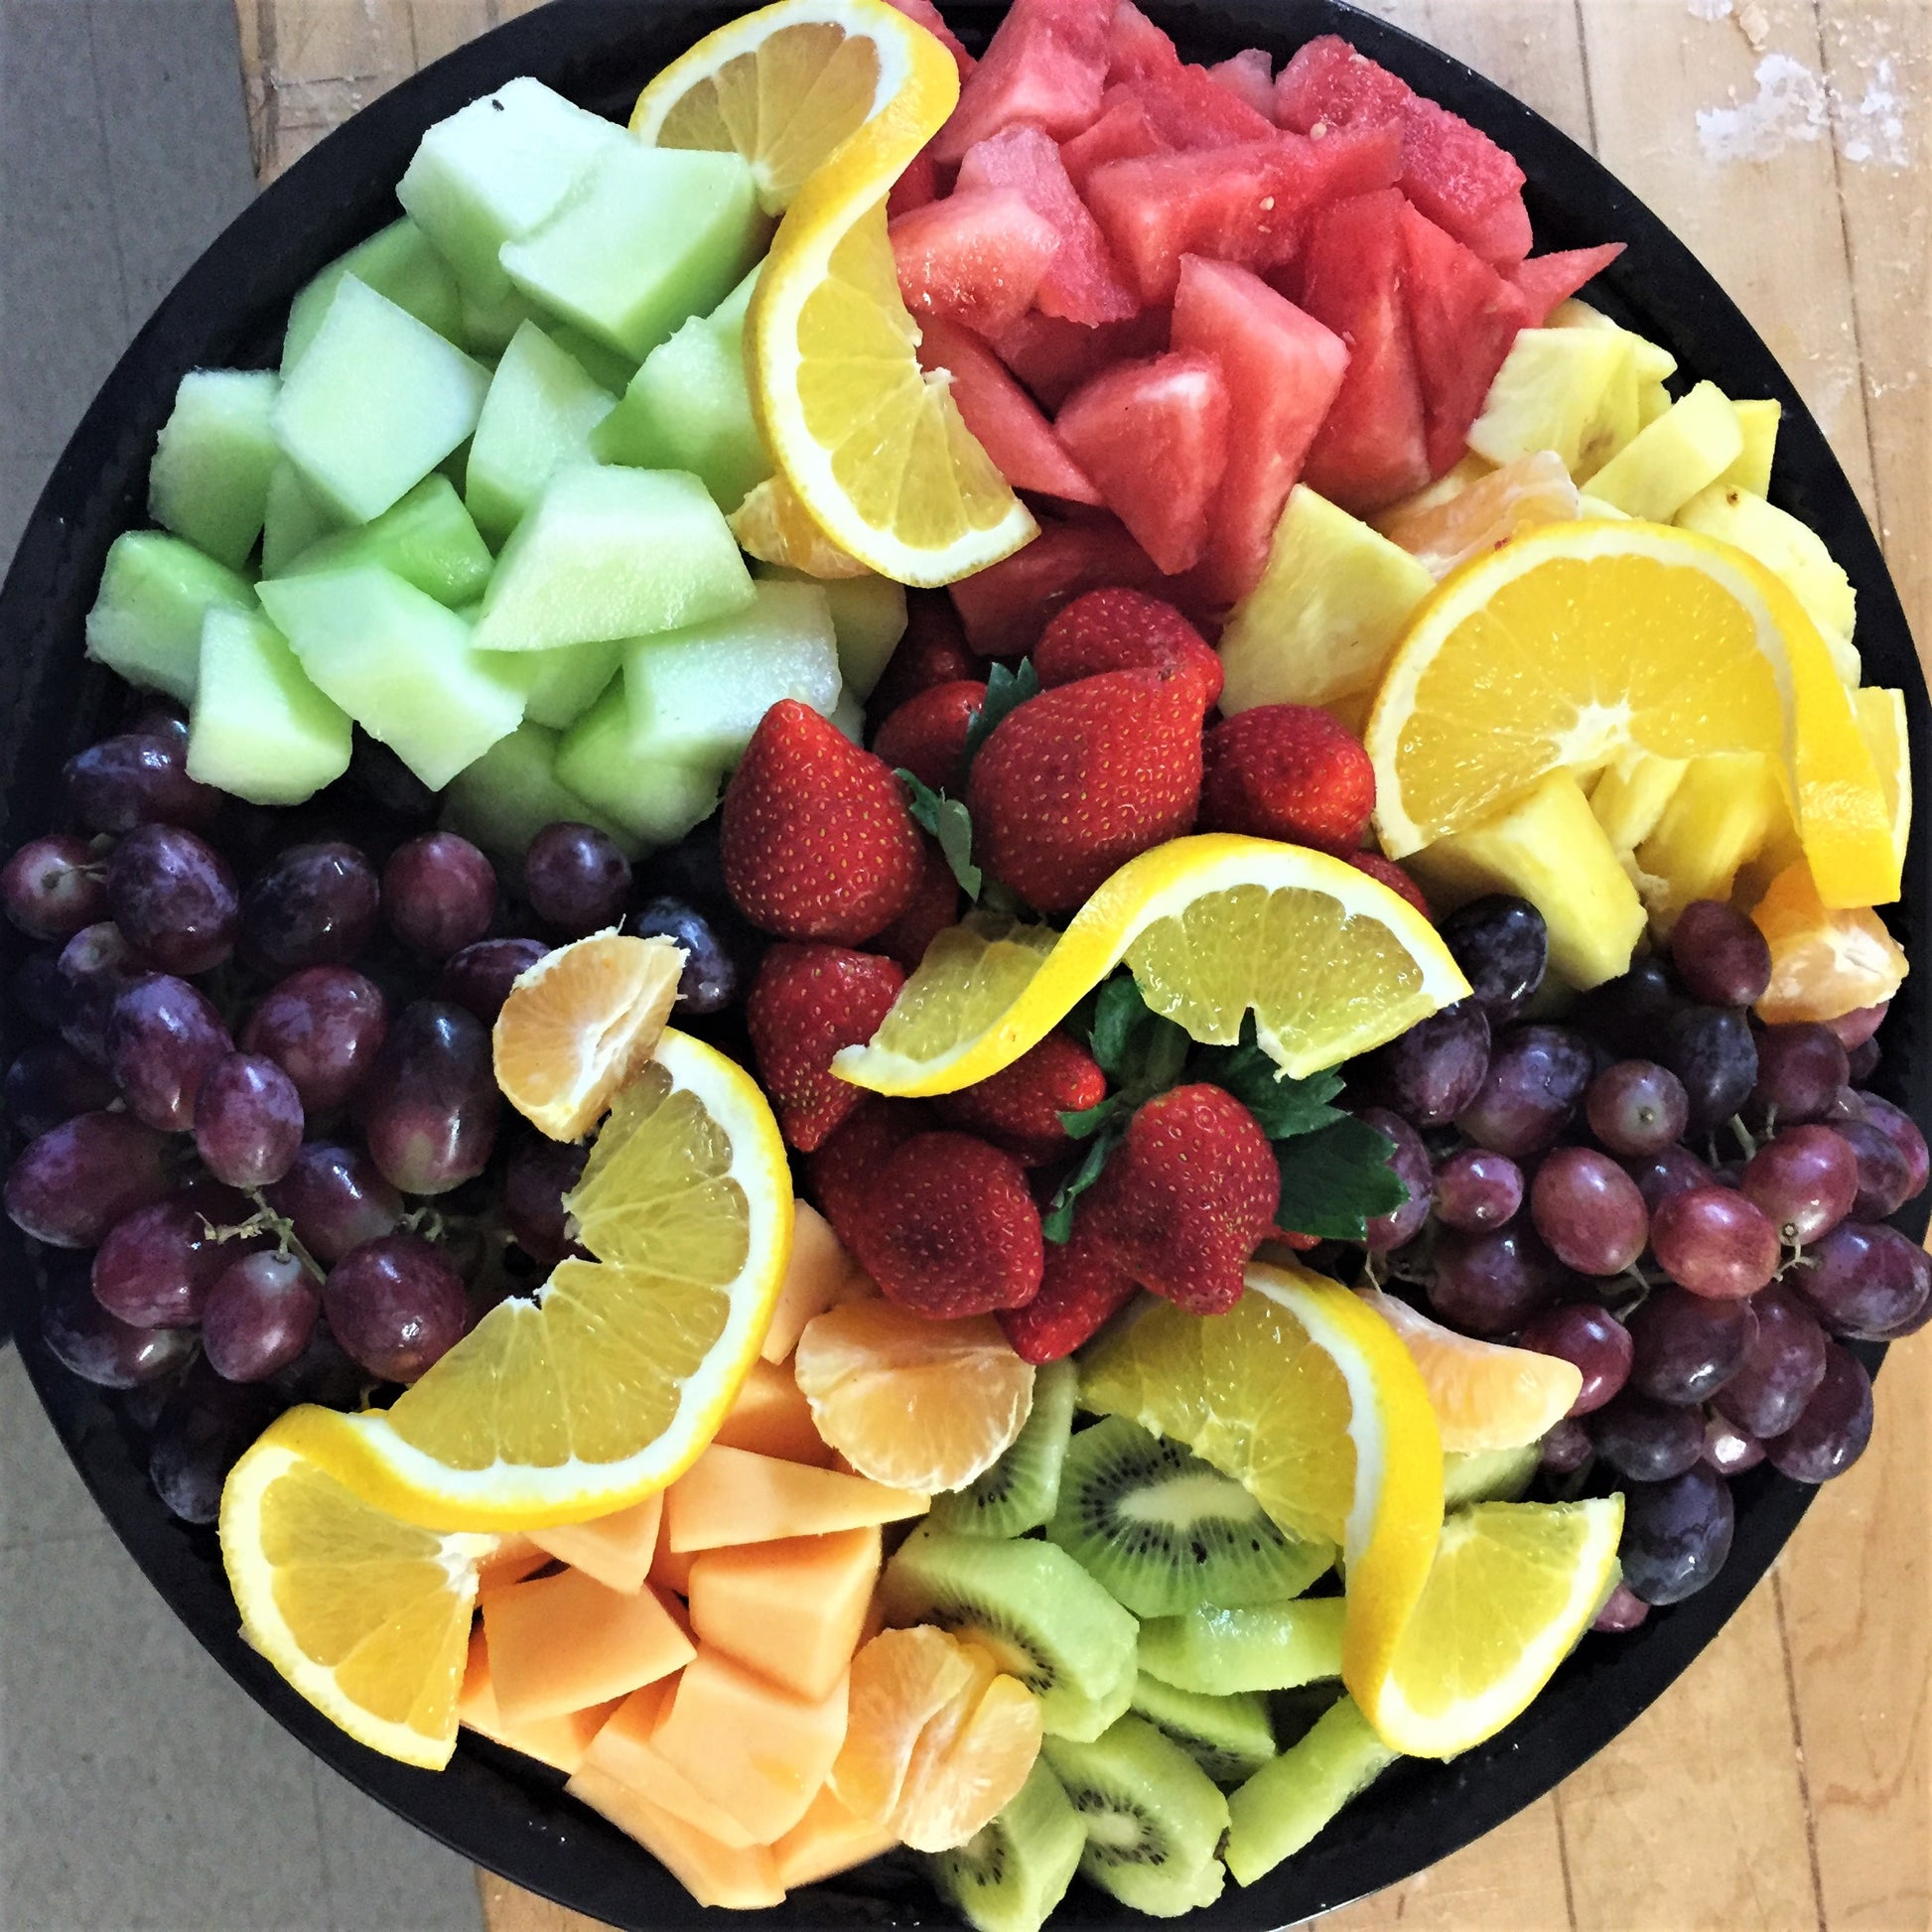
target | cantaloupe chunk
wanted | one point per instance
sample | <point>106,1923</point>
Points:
<point>791,1611</point>
<point>827,1840</point>
<point>815,1277</point>
<point>617,1550</point>
<point>514,1558</point>
<point>757,1750</point>
<point>623,1751</point>
<point>730,1496</point>
<point>560,1742</point>
<point>559,1643</point>
<point>772,1417</point>
<point>670,1569</point>
<point>713,1874</point>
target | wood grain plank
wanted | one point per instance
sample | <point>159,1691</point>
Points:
<point>509,1908</point>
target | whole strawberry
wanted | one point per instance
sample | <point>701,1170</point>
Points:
<point>1124,630</point>
<point>927,735</point>
<point>933,652</point>
<point>1287,771</point>
<point>1079,1290</point>
<point>950,1230</point>
<point>1188,1196</point>
<point>805,1004</point>
<point>844,1171</point>
<point>1393,876</point>
<point>815,839</point>
<point>1074,783</point>
<point>935,906</point>
<point>1019,1108</point>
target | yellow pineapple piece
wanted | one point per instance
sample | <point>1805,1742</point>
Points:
<point>1571,390</point>
<point>1882,724</point>
<point>1653,400</point>
<point>1655,364</point>
<point>1549,850</point>
<point>1629,797</point>
<point>1759,422</point>
<point>1727,810</point>
<point>1594,509</point>
<point>1684,450</point>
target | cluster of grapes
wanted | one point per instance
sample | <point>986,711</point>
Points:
<point>1687,1205</point>
<point>265,1150</point>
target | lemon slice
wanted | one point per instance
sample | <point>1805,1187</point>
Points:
<point>1330,962</point>
<point>605,1386</point>
<point>368,1618</point>
<point>1579,640</point>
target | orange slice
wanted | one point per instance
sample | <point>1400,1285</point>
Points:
<point>958,1790</point>
<point>901,1682</point>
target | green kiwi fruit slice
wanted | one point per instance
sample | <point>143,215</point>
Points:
<point>1164,1531</point>
<point>1008,1876</point>
<point>1153,1820</point>
<point>1488,1475</point>
<point>1273,1647</point>
<point>1018,1491</point>
<point>1229,1737</point>
<point>1041,1615</point>
<point>1282,1807</point>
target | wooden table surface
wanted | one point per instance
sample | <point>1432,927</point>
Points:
<point>1786,1782</point>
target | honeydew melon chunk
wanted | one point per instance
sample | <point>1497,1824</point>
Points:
<point>397,261</point>
<point>1759,423</point>
<point>399,663</point>
<point>488,326</point>
<point>610,368</point>
<point>146,623</point>
<point>850,717</point>
<point>377,403</point>
<point>260,728</point>
<point>656,801</point>
<point>696,695</point>
<point>869,617</point>
<point>495,170</point>
<point>1686,449</point>
<point>560,685</point>
<point>294,518</point>
<point>209,481</point>
<point>427,539</point>
<point>613,553</point>
<point>536,419</point>
<point>645,238</point>
<point>510,794</point>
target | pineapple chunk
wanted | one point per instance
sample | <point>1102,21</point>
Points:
<point>1329,608</point>
<point>1759,423</point>
<point>1684,449</point>
<point>1548,848</point>
<point>1655,364</point>
<point>1629,797</point>
<point>1595,510</point>
<point>1727,810</point>
<point>1882,724</point>
<point>1653,400</point>
<point>1572,390</point>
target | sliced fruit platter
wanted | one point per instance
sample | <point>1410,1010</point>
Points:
<point>978,979</point>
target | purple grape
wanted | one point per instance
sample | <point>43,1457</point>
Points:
<point>1858,1026</point>
<point>1685,1348</point>
<point>1622,1612</point>
<point>53,887</point>
<point>1799,1068</point>
<point>38,994</point>
<point>1835,1426</point>
<point>162,1037</point>
<point>1676,1535</point>
<point>713,972</point>
<point>1865,1281</point>
<point>174,898</point>
<point>1728,1449</point>
<point>478,979</point>
<point>1637,1107</point>
<point>1434,1070</point>
<point>1902,1130</point>
<point>1566,1448</point>
<point>315,905</point>
<point>1714,1242</point>
<point>1588,1211</point>
<point>1861,1063</point>
<point>48,1084</point>
<point>259,1316</point>
<point>157,1265</point>
<point>1645,1440</point>
<point>1503,948</point>
<point>430,1108</point>
<point>1719,955</point>
<point>1536,1077</point>
<point>72,1183</point>
<point>1670,1170</point>
<point>1491,1284</point>
<point>95,967</point>
<point>1783,1364</point>
<point>138,778</point>
<point>247,1121</point>
<point>1631,1015</point>
<point>1847,1104</point>
<point>322,1373</point>
<point>396,1306</point>
<point>1883,1175</point>
<point>439,893</point>
<point>576,878</point>
<point>1806,1180</point>
<point>1713,1052</point>
<point>336,1199</point>
<point>1476,1191</point>
<point>1589,1337</point>
<point>1408,1162</point>
<point>539,1174</point>
<point>323,1027</point>
<point>201,1437</point>
<point>102,1349</point>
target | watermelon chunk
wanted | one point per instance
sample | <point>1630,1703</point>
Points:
<point>1231,203</point>
<point>1282,369</point>
<point>1250,78</point>
<point>935,22</point>
<point>1327,80</point>
<point>1186,104</point>
<point>1045,67</point>
<point>1081,282</point>
<point>1011,429</point>
<point>1372,448</point>
<point>974,258</point>
<point>1154,437</point>
<point>919,184</point>
<point>1004,608</point>
<point>1547,281</point>
<point>1123,132</point>
<point>1053,357</point>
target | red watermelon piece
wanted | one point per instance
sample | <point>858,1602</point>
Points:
<point>1349,161</point>
<point>1547,281</point>
<point>1045,66</point>
<point>1154,437</point>
<point>1282,369</point>
<point>1052,357</point>
<point>974,258</point>
<point>1123,132</point>
<point>1135,47</point>
<point>1004,608</point>
<point>1186,104</point>
<point>916,187</point>
<point>1328,81</point>
<point>930,17</point>
<point>1081,282</point>
<point>1250,78</point>
<point>1010,428</point>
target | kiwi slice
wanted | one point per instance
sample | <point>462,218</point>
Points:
<point>1018,1491</point>
<point>1153,1820</point>
<point>1488,1475</point>
<point>1041,1615</point>
<point>1290,1799</point>
<point>1009,1875</point>
<point>1259,1648</point>
<point>1164,1531</point>
<point>1229,1737</point>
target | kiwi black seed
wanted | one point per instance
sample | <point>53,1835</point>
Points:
<point>1008,1876</point>
<point>1229,1737</point>
<point>1018,1491</point>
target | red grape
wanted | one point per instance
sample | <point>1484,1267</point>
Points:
<point>1858,1026</point>
<point>714,969</point>
<point>541,1173</point>
<point>247,1121</point>
<point>1566,1448</point>
<point>1865,1281</point>
<point>1491,1284</point>
<point>157,1265</point>
<point>1434,1070</point>
<point>1621,1613</point>
<point>430,1107</point>
<point>139,778</point>
<point>1883,1173</point>
<point>1645,1440</point>
<point>396,1306</point>
<point>1714,1242</point>
<point>1476,1191</point>
<point>104,1350</point>
<point>1719,955</point>
<point>313,906</point>
<point>162,1037</point>
<point>1799,1068</point>
<point>259,1316</point>
<point>1503,948</point>
<point>72,1183</point>
<point>1676,1534</point>
<point>1684,1348</point>
<point>439,893</point>
<point>576,878</point>
<point>95,967</point>
<point>1408,1162</point>
<point>1637,1107</point>
<point>1830,1435</point>
<point>1631,1014</point>
<point>1588,1211</point>
<point>323,1026</point>
<point>1536,1077</point>
<point>1592,1338</point>
<point>478,978</point>
<point>1670,1170</point>
<point>1728,1449</point>
<point>174,898</point>
<point>48,1084</point>
<point>1713,1052</point>
<point>1783,1363</point>
<point>336,1199</point>
<point>1902,1130</point>
<point>55,886</point>
<point>1805,1180</point>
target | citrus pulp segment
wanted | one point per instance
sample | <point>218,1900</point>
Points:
<point>1330,963</point>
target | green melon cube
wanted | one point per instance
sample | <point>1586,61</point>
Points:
<point>613,553</point>
<point>560,685</point>
<point>488,326</point>
<point>146,623</point>
<point>497,169</point>
<point>697,695</point>
<point>293,519</point>
<point>427,539</point>
<point>396,261</point>
<point>209,481</point>
<point>400,664</point>
<point>647,237</point>
<point>610,368</point>
<point>260,728</point>
<point>728,315</point>
<point>504,800</point>
<point>657,800</point>
<point>868,615</point>
<point>537,418</point>
<point>377,403</point>
<point>850,717</point>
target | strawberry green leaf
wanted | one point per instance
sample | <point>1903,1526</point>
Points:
<point>1336,1179</point>
<point>1136,1049</point>
<point>948,820</point>
<point>1004,690</point>
<point>1086,1122</point>
<point>1283,1107</point>
<point>1058,1222</point>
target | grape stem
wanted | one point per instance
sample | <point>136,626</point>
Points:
<point>1746,1139</point>
<point>265,1220</point>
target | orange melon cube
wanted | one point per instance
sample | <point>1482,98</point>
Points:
<point>730,1496</point>
<point>561,1742</point>
<point>743,1877</point>
<point>792,1610</point>
<point>772,1418</point>
<point>828,1838</point>
<point>670,1569</point>
<point>516,1556</point>
<point>617,1550</point>
<point>622,1751</point>
<point>759,1752</point>
<point>560,1643</point>
<point>815,1279</point>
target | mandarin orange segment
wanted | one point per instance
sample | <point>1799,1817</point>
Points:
<point>901,1682</point>
<point>953,1794</point>
<point>1824,961</point>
